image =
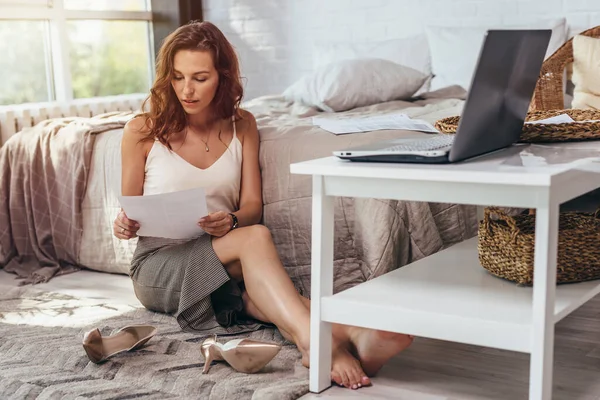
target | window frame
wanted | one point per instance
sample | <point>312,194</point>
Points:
<point>54,13</point>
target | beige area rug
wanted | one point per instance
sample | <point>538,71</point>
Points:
<point>41,356</point>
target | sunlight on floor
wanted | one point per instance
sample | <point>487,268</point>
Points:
<point>77,299</point>
<point>53,309</point>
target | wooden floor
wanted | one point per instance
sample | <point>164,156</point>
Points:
<point>436,370</point>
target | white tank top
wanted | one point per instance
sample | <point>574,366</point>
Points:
<point>166,171</point>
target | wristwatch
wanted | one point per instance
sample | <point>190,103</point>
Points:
<point>234,221</point>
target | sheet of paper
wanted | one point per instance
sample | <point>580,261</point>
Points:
<point>345,125</point>
<point>559,119</point>
<point>172,215</point>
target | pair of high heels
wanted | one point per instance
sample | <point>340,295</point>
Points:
<point>243,355</point>
<point>132,337</point>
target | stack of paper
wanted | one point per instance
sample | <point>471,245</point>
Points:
<point>355,124</point>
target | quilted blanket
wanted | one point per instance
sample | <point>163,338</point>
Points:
<point>43,177</point>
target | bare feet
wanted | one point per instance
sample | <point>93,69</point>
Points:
<point>375,348</point>
<point>345,368</point>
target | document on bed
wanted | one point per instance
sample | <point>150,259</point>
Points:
<point>342,125</point>
<point>172,215</point>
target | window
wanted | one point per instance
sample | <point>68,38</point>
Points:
<point>103,5</point>
<point>68,49</point>
<point>103,63</point>
<point>24,67</point>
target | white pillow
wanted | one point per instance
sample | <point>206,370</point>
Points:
<point>454,50</point>
<point>355,83</point>
<point>411,51</point>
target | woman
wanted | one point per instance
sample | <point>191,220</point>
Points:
<point>229,280</point>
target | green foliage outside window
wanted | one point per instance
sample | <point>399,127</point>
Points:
<point>23,75</point>
<point>106,58</point>
<point>113,59</point>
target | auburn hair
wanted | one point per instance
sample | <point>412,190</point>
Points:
<point>166,115</point>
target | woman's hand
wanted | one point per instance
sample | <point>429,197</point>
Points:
<point>125,228</point>
<point>217,223</point>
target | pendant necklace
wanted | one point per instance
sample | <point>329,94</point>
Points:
<point>207,139</point>
<point>206,143</point>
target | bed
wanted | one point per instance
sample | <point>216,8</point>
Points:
<point>372,236</point>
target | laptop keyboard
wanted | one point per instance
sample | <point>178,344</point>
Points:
<point>433,143</point>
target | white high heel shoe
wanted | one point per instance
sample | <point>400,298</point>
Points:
<point>243,355</point>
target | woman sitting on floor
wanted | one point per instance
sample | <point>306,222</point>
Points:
<point>231,279</point>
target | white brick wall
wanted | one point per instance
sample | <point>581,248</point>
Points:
<point>274,38</point>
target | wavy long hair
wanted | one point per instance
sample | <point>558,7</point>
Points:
<point>166,115</point>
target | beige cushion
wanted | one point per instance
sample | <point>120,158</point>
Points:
<point>586,72</point>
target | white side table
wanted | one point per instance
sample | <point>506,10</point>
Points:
<point>448,295</point>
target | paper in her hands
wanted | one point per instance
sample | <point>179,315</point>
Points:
<point>172,215</point>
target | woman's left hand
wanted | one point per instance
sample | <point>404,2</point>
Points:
<point>217,223</point>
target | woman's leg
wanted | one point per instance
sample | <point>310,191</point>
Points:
<point>373,348</point>
<point>272,291</point>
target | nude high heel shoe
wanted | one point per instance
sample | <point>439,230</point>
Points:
<point>99,349</point>
<point>243,355</point>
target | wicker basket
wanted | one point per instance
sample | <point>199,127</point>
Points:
<point>547,133</point>
<point>506,246</point>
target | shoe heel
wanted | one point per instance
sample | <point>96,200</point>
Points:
<point>208,359</point>
<point>209,351</point>
<point>92,344</point>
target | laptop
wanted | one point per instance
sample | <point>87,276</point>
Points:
<point>501,90</point>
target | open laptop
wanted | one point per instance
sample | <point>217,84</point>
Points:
<point>501,90</point>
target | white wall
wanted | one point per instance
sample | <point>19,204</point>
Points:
<point>274,38</point>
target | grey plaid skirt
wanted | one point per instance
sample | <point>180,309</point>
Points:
<point>186,279</point>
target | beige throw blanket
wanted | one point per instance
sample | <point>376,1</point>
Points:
<point>43,178</point>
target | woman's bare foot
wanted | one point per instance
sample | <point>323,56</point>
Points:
<point>374,348</point>
<point>345,368</point>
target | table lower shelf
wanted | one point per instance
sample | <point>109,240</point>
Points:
<point>449,296</point>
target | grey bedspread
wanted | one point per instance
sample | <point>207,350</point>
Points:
<point>372,236</point>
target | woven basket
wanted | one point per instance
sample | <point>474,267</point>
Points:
<point>506,246</point>
<point>546,133</point>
